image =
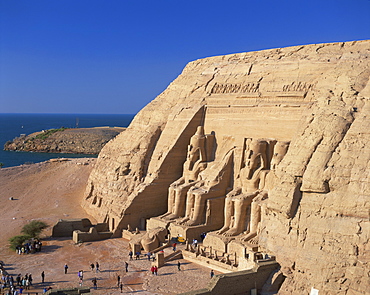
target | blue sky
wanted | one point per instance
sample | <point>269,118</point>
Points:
<point>115,56</point>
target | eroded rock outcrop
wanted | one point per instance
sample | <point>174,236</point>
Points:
<point>312,209</point>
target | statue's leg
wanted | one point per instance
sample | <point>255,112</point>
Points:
<point>255,220</point>
<point>255,217</point>
<point>189,206</point>
<point>228,212</point>
<point>179,203</point>
<point>199,206</point>
<point>241,205</point>
<point>170,202</point>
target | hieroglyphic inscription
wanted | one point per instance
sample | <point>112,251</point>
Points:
<point>298,86</point>
<point>235,88</point>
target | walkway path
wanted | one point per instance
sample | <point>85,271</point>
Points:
<point>111,255</point>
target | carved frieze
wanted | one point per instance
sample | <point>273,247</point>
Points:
<point>298,86</point>
<point>235,88</point>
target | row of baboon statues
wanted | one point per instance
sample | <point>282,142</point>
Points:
<point>204,180</point>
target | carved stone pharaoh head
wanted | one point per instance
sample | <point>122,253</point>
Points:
<point>255,156</point>
<point>196,148</point>
<point>280,149</point>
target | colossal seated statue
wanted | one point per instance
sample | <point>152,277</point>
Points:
<point>215,183</point>
<point>252,177</point>
<point>196,162</point>
<point>280,149</point>
<point>255,178</point>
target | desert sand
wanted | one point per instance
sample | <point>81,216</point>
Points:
<point>53,190</point>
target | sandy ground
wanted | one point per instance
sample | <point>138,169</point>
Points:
<point>51,191</point>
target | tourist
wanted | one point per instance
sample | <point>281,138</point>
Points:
<point>37,247</point>
<point>195,242</point>
<point>137,257</point>
<point>121,287</point>
<point>130,254</point>
<point>65,268</point>
<point>212,273</point>
<point>80,276</point>
<point>30,279</point>
<point>27,287</point>
<point>95,283</point>
<point>203,236</point>
<point>118,280</point>
<point>156,270</point>
<point>40,245</point>
<point>42,277</point>
<point>152,269</point>
<point>126,266</point>
<point>92,266</point>
<point>97,267</point>
<point>178,265</point>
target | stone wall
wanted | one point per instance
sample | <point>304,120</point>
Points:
<point>241,282</point>
<point>65,227</point>
<point>316,218</point>
<point>92,235</point>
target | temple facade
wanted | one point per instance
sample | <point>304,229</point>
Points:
<point>264,155</point>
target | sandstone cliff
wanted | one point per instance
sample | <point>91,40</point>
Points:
<point>73,141</point>
<point>316,218</point>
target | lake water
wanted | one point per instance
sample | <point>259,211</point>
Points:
<point>13,125</point>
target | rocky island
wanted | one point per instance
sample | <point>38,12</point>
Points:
<point>65,140</point>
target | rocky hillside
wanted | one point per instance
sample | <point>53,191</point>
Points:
<point>316,218</point>
<point>76,140</point>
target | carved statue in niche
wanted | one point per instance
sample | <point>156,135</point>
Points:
<point>215,184</point>
<point>254,178</point>
<point>196,162</point>
<point>280,149</point>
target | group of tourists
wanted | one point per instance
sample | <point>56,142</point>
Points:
<point>149,255</point>
<point>16,285</point>
<point>154,270</point>
<point>11,286</point>
<point>31,246</point>
<point>96,266</point>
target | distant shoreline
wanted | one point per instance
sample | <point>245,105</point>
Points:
<point>15,125</point>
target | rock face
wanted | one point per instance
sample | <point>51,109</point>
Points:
<point>74,141</point>
<point>290,132</point>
